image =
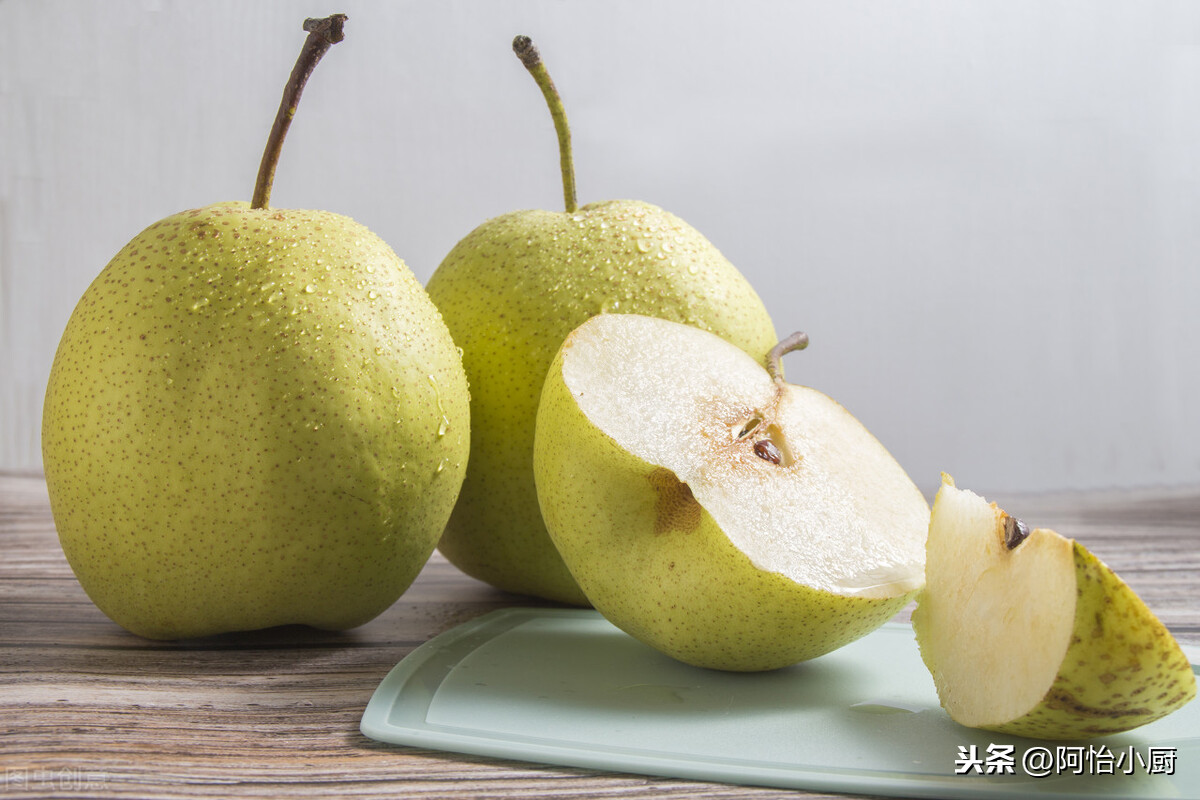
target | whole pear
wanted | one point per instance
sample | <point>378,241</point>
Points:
<point>510,292</point>
<point>254,417</point>
<point>727,518</point>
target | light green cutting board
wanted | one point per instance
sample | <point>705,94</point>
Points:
<point>563,686</point>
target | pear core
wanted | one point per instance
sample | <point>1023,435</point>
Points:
<point>789,476</point>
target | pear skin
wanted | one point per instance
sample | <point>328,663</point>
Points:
<point>1123,668</point>
<point>254,417</point>
<point>510,292</point>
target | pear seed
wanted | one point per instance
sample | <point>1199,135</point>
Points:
<point>1015,532</point>
<point>767,451</point>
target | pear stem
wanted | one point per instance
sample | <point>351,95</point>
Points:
<point>797,341</point>
<point>322,34</point>
<point>526,51</point>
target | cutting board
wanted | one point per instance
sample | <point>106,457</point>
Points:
<point>565,687</point>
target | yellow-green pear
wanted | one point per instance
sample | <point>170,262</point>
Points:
<point>254,417</point>
<point>510,291</point>
<point>712,510</point>
<point>1027,633</point>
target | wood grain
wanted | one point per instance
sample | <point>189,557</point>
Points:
<point>90,710</point>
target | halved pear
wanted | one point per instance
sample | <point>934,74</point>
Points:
<point>712,510</point>
<point>1026,632</point>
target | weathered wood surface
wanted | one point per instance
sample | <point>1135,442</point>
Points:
<point>87,709</point>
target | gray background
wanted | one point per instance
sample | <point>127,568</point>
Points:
<point>986,214</point>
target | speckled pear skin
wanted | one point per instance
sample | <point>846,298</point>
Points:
<point>1122,669</point>
<point>254,417</point>
<point>656,564</point>
<point>510,292</point>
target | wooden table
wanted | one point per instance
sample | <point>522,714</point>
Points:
<point>87,709</point>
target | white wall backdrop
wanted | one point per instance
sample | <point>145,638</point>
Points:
<point>985,214</point>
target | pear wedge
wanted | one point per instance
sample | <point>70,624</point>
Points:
<point>1027,633</point>
<point>711,510</point>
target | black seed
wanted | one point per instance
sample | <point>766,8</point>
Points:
<point>1015,532</point>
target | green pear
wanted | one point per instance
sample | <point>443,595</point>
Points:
<point>255,417</point>
<point>510,292</point>
<point>712,510</point>
<point>1027,633</point>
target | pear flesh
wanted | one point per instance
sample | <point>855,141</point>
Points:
<point>1033,635</point>
<point>510,292</point>
<point>727,519</point>
<point>254,417</point>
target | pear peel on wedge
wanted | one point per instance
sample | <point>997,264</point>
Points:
<point>1032,635</point>
<point>726,518</point>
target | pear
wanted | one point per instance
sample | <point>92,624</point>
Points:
<point>255,416</point>
<point>712,510</point>
<point>1027,633</point>
<point>510,292</point>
